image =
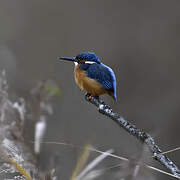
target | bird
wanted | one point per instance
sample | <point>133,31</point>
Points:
<point>92,76</point>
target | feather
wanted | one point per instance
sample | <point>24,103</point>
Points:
<point>103,74</point>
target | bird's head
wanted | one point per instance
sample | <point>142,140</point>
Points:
<point>85,57</point>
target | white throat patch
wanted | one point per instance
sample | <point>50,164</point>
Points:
<point>75,63</point>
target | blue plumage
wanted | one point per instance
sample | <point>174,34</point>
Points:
<point>89,56</point>
<point>103,74</point>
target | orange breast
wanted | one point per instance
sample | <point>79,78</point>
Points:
<point>85,83</point>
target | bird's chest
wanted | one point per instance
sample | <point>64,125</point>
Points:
<point>85,83</point>
<point>80,76</point>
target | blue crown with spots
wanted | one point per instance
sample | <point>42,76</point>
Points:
<point>89,56</point>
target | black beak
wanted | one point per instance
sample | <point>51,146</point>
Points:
<point>68,58</point>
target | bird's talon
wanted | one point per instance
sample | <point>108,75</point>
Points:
<point>89,96</point>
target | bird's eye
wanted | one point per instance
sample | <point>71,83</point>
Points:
<point>82,61</point>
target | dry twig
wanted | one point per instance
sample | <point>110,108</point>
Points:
<point>139,134</point>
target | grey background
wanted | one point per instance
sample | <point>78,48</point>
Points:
<point>138,39</point>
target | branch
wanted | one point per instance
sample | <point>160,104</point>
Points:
<point>139,134</point>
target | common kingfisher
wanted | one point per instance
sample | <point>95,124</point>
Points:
<point>92,76</point>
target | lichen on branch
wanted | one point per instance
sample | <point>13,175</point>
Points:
<point>144,137</point>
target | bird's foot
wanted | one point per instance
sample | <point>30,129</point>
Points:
<point>89,96</point>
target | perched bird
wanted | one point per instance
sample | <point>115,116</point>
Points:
<point>93,76</point>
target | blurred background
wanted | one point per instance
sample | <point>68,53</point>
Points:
<point>139,40</point>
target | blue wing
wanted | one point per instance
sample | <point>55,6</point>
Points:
<point>103,74</point>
